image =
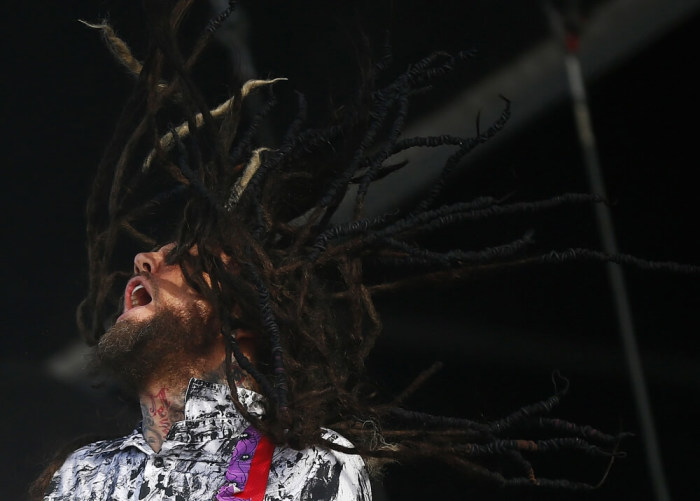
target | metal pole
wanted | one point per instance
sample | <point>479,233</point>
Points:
<point>615,274</point>
<point>617,284</point>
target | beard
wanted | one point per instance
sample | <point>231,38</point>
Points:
<point>167,347</point>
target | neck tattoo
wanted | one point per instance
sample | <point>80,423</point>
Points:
<point>160,411</point>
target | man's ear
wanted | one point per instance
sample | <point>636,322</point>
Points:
<point>247,341</point>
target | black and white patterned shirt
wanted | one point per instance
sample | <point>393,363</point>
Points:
<point>193,460</point>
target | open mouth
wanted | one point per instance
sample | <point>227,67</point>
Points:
<point>139,296</point>
<point>136,295</point>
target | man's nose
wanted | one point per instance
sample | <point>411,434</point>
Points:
<point>148,262</point>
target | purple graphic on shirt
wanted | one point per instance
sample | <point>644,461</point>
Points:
<point>239,469</point>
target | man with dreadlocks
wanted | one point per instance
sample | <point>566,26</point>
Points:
<point>193,443</point>
<point>246,327</point>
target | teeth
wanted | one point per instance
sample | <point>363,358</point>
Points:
<point>134,296</point>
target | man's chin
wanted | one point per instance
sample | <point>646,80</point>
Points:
<point>137,351</point>
<point>123,352</point>
<point>121,337</point>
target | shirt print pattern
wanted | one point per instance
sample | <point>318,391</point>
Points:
<point>239,469</point>
<point>195,456</point>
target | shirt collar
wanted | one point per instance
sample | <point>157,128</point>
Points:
<point>205,400</point>
<point>209,414</point>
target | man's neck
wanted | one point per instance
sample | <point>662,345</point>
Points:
<point>163,401</point>
<point>161,406</point>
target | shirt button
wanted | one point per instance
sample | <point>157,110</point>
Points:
<point>158,462</point>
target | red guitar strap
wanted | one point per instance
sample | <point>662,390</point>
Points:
<point>254,489</point>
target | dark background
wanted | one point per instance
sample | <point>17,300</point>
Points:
<point>500,336</point>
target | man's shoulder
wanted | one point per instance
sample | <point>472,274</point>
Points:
<point>318,472</point>
<point>101,448</point>
<point>317,453</point>
<point>88,465</point>
<point>335,438</point>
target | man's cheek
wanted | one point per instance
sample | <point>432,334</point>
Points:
<point>204,310</point>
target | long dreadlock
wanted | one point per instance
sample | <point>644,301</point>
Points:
<point>268,225</point>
